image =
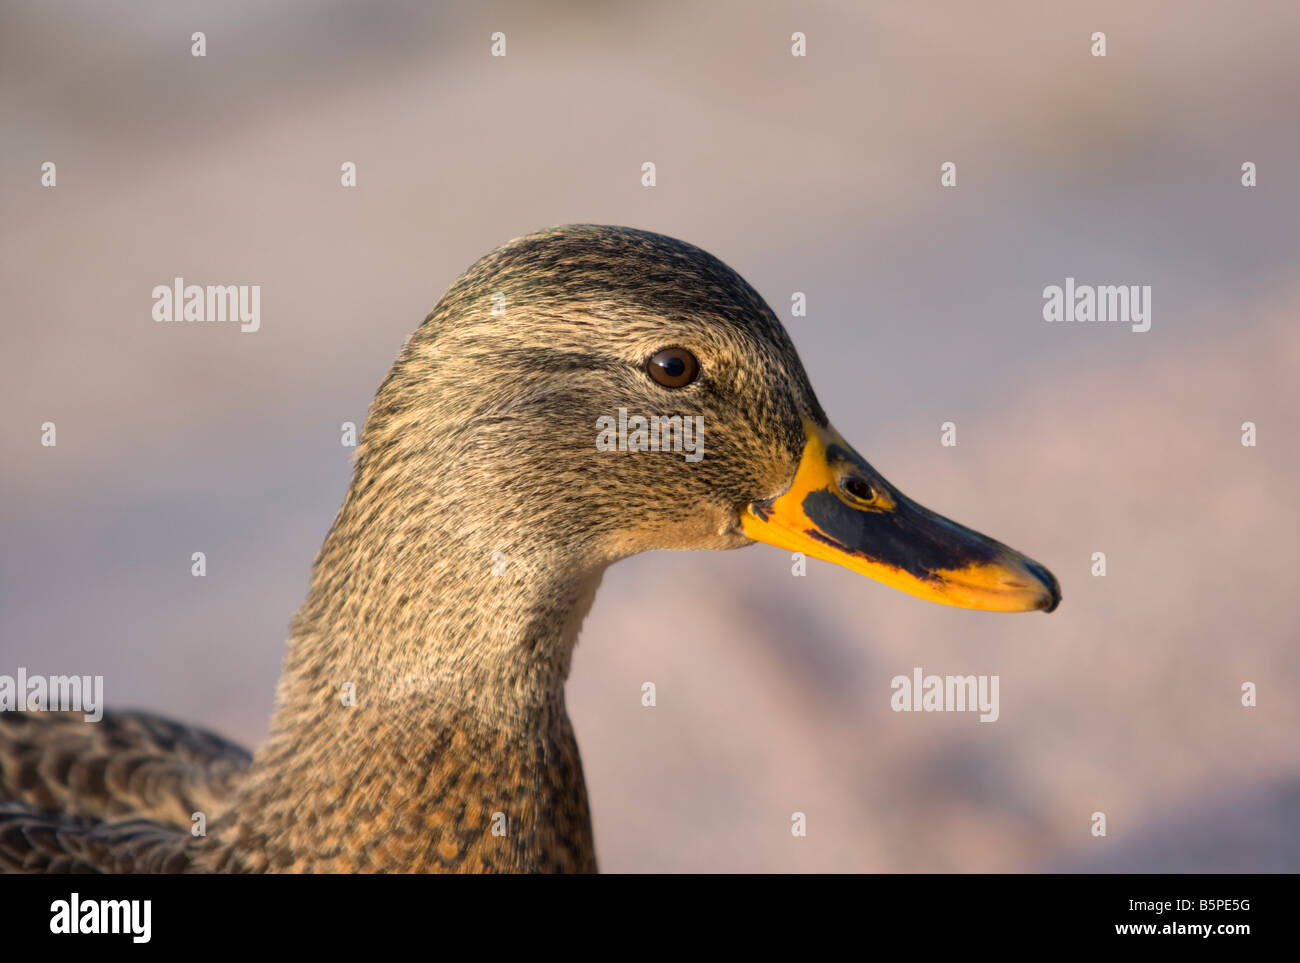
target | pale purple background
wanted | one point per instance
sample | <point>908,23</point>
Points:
<point>818,175</point>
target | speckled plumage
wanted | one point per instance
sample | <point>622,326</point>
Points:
<point>450,590</point>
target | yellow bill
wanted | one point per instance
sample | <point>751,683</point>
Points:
<point>841,510</point>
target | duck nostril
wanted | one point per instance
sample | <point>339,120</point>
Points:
<point>859,489</point>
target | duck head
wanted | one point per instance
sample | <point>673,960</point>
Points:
<point>617,391</point>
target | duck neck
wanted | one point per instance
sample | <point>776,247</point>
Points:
<point>421,721</point>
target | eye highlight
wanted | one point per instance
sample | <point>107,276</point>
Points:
<point>673,367</point>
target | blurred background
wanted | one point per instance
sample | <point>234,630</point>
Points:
<point>816,174</point>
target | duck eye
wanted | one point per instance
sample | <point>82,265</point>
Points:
<point>673,367</point>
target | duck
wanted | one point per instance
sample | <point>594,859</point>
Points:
<point>420,721</point>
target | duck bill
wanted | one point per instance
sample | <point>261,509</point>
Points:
<point>841,510</point>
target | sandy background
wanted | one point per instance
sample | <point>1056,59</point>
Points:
<point>818,175</point>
